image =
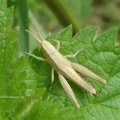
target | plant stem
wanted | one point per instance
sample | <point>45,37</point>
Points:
<point>23,21</point>
<point>64,14</point>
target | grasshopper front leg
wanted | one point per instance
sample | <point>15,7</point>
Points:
<point>42,59</point>
<point>58,45</point>
<point>36,57</point>
<point>68,90</point>
<point>52,75</point>
<point>75,54</point>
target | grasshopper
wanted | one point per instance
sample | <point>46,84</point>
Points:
<point>65,68</point>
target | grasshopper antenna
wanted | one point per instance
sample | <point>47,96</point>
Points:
<point>36,30</point>
<point>39,38</point>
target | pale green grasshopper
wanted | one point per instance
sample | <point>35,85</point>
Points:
<point>65,68</point>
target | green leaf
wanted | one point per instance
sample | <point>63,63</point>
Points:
<point>101,56</point>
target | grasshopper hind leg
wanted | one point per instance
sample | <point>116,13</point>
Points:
<point>68,90</point>
<point>85,71</point>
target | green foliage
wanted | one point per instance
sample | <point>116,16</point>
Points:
<point>26,93</point>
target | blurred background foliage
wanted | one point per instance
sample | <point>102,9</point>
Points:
<point>52,15</point>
